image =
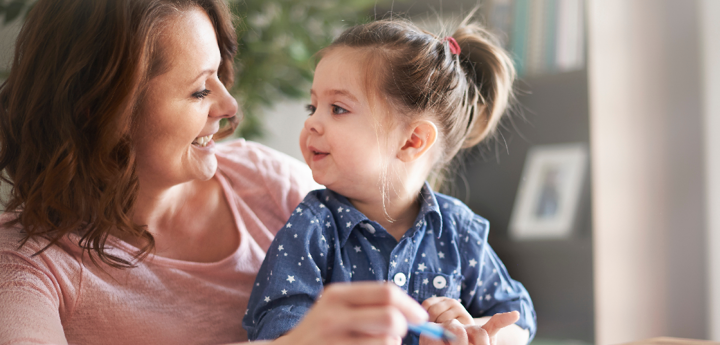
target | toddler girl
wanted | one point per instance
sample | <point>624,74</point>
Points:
<point>390,106</point>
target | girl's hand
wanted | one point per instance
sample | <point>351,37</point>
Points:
<point>473,334</point>
<point>443,309</point>
<point>357,313</point>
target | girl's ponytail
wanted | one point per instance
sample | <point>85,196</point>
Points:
<point>490,74</point>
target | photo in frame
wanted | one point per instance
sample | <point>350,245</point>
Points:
<point>549,192</point>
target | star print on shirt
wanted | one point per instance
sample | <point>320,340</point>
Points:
<point>298,210</point>
<point>267,298</point>
<point>288,225</point>
<point>347,260</point>
<point>280,247</point>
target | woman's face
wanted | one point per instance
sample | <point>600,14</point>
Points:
<point>183,107</point>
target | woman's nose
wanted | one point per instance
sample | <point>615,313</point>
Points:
<point>225,106</point>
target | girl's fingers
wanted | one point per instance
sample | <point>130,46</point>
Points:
<point>499,321</point>
<point>454,327</point>
<point>442,309</point>
<point>455,313</point>
<point>431,301</point>
<point>478,335</point>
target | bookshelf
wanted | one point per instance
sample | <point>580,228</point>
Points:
<point>545,36</point>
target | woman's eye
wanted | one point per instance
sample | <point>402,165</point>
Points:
<point>310,109</point>
<point>201,94</point>
<point>338,110</point>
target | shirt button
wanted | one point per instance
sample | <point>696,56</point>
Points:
<point>399,279</point>
<point>439,282</point>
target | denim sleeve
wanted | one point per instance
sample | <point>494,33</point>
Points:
<point>488,288</point>
<point>290,279</point>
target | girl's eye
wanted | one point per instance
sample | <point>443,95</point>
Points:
<point>310,109</point>
<point>201,94</point>
<point>338,110</point>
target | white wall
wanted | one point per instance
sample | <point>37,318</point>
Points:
<point>283,123</point>
<point>710,38</point>
<point>648,170</point>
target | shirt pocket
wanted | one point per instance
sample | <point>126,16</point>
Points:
<point>431,284</point>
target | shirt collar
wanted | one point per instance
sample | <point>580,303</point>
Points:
<point>429,209</point>
<point>347,217</point>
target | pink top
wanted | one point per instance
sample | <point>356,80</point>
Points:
<point>53,298</point>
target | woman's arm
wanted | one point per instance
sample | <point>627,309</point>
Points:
<point>29,303</point>
<point>357,313</point>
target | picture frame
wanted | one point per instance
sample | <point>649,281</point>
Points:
<point>547,199</point>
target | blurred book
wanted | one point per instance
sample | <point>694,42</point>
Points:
<point>543,36</point>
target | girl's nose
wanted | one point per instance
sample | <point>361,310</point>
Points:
<point>313,124</point>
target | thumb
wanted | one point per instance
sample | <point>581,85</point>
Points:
<point>500,321</point>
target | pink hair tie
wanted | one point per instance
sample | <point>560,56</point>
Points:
<point>452,43</point>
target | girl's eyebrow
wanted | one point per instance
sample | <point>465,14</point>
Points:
<point>338,92</point>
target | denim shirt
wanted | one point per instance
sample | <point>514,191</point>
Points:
<point>327,240</point>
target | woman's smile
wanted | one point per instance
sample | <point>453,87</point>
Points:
<point>204,141</point>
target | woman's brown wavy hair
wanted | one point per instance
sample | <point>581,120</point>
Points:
<point>67,110</point>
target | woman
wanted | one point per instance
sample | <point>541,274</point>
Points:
<point>126,223</point>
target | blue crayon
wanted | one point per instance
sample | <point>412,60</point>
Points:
<point>432,330</point>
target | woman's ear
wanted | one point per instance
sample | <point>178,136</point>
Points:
<point>421,138</point>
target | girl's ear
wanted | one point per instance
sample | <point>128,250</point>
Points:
<point>422,137</point>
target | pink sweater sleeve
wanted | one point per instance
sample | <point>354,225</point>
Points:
<point>29,302</point>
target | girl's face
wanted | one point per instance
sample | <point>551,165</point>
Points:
<point>183,107</point>
<point>342,141</point>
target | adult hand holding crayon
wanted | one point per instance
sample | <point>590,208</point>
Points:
<point>357,313</point>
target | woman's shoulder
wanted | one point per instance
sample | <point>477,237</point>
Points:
<point>36,249</point>
<point>246,162</point>
<point>11,238</point>
<point>240,153</point>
